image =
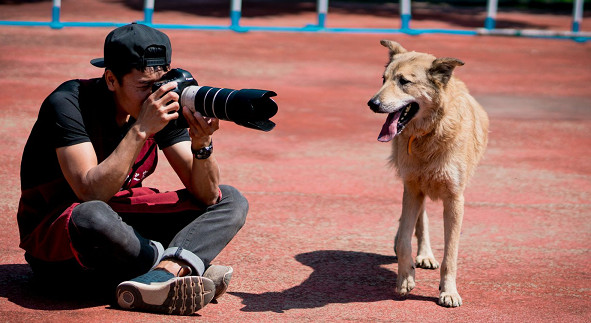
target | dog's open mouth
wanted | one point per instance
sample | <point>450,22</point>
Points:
<point>396,121</point>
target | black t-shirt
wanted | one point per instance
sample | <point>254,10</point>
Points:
<point>78,111</point>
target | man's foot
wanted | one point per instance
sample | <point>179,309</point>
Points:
<point>162,292</point>
<point>220,275</point>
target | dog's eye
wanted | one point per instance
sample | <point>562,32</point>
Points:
<point>403,81</point>
<point>383,79</point>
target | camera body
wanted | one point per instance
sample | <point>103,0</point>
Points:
<point>250,108</point>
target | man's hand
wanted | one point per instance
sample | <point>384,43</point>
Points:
<point>158,109</point>
<point>200,128</point>
<point>200,176</point>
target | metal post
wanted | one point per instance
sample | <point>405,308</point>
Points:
<point>322,8</point>
<point>55,14</point>
<point>148,11</point>
<point>235,13</point>
<point>405,14</point>
<point>491,14</point>
<point>577,15</point>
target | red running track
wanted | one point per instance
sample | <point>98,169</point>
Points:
<point>317,245</point>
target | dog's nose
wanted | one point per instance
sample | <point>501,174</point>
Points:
<point>374,104</point>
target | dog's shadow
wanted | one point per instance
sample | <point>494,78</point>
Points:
<point>338,277</point>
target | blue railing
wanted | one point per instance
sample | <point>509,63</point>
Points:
<point>322,14</point>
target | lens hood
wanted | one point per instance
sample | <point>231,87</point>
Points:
<point>257,107</point>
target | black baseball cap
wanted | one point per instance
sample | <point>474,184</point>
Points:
<point>129,46</point>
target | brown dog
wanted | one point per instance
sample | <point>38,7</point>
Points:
<point>439,133</point>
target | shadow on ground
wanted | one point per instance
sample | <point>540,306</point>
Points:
<point>19,286</point>
<point>338,277</point>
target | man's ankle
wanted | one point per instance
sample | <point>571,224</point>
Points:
<point>176,267</point>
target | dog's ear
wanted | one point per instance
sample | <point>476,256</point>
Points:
<point>442,68</point>
<point>394,47</point>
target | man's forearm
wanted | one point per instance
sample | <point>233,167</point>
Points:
<point>106,179</point>
<point>205,177</point>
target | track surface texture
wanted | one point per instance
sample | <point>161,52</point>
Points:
<point>324,204</point>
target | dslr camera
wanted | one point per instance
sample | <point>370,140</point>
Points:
<point>250,108</point>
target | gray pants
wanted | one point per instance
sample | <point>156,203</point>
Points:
<point>122,245</point>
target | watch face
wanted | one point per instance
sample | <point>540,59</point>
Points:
<point>204,152</point>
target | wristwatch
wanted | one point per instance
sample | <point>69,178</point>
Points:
<point>204,152</point>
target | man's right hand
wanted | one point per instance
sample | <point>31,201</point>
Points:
<point>158,109</point>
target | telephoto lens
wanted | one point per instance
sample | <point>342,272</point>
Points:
<point>250,108</point>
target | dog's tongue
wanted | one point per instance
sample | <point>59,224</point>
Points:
<point>389,128</point>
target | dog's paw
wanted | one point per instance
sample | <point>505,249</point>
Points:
<point>405,285</point>
<point>426,262</point>
<point>450,299</point>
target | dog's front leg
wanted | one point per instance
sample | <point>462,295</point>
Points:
<point>412,203</point>
<point>453,213</point>
<point>425,258</point>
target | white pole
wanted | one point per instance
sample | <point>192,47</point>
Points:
<point>577,15</point>
<point>405,13</point>
<point>491,14</point>
<point>148,11</point>
<point>322,8</point>
<point>235,12</point>
<point>55,14</point>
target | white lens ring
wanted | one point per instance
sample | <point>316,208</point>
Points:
<point>213,103</point>
<point>226,104</point>
<point>204,97</point>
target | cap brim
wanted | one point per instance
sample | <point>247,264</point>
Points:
<point>98,62</point>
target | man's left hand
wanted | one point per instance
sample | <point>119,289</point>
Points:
<point>201,128</point>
